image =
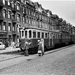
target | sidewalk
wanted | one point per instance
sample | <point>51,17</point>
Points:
<point>9,49</point>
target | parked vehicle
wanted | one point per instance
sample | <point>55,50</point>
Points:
<point>2,46</point>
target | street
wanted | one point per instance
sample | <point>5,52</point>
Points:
<point>61,62</point>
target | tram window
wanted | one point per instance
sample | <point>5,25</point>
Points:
<point>38,34</point>
<point>30,34</point>
<point>34,34</point>
<point>42,35</point>
<point>46,35</point>
<point>25,34</point>
<point>22,33</point>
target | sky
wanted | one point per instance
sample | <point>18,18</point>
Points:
<point>63,8</point>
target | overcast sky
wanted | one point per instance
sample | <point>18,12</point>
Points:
<point>63,8</point>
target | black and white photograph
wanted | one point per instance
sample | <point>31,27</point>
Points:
<point>37,37</point>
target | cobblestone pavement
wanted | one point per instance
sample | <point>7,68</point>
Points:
<point>58,63</point>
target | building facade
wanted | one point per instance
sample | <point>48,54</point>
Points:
<point>17,15</point>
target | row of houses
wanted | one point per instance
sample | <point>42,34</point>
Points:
<point>20,14</point>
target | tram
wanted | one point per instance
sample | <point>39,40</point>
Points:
<point>33,35</point>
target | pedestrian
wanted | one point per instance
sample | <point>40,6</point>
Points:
<point>26,47</point>
<point>41,47</point>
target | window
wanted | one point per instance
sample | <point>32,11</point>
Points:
<point>17,28</point>
<point>34,34</point>
<point>25,34</point>
<point>8,2</point>
<point>23,19</point>
<point>13,16</point>
<point>32,22</point>
<point>23,9</point>
<point>22,0</point>
<point>4,26</point>
<point>40,17</point>
<point>20,33</point>
<point>13,27</point>
<point>0,27</point>
<point>30,34</point>
<point>12,4</point>
<point>9,14</point>
<point>29,21</point>
<point>32,13</point>
<point>4,13</point>
<point>26,20</point>
<point>18,17</point>
<point>38,34</point>
<point>29,12</point>
<point>4,2</point>
<point>9,26</point>
<point>18,6</point>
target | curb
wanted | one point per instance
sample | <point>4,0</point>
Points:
<point>9,51</point>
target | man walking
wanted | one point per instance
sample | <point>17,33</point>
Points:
<point>26,47</point>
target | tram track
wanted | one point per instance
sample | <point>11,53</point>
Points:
<point>47,52</point>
